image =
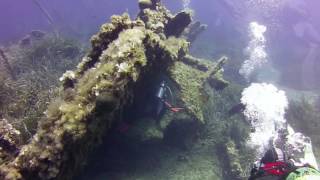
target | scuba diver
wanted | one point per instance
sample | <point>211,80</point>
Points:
<point>162,103</point>
<point>275,164</point>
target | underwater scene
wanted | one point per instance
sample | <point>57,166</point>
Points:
<point>159,90</point>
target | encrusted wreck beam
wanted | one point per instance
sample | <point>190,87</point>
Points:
<point>216,77</point>
<point>196,62</point>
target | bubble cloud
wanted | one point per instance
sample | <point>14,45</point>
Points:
<point>255,51</point>
<point>265,110</point>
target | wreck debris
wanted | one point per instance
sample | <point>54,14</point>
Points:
<point>34,35</point>
<point>194,30</point>
<point>37,34</point>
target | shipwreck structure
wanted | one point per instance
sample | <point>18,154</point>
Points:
<point>123,55</point>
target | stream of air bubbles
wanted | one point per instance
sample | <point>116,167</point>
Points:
<point>186,4</point>
<point>266,106</point>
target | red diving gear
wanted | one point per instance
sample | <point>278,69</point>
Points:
<point>173,109</point>
<point>275,168</point>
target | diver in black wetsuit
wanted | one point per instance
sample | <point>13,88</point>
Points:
<point>162,102</point>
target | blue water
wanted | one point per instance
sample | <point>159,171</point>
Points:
<point>292,62</point>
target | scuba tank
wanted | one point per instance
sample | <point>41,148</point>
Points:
<point>161,93</point>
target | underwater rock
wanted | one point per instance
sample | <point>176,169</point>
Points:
<point>122,52</point>
<point>9,141</point>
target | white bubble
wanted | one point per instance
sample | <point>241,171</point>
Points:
<point>265,110</point>
<point>255,51</point>
<point>186,4</point>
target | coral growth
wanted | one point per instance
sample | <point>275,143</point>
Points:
<point>36,69</point>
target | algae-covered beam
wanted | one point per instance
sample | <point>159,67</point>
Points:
<point>196,62</point>
<point>216,77</point>
<point>191,74</point>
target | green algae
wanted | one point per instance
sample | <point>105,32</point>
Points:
<point>233,158</point>
<point>190,82</point>
<point>37,67</point>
